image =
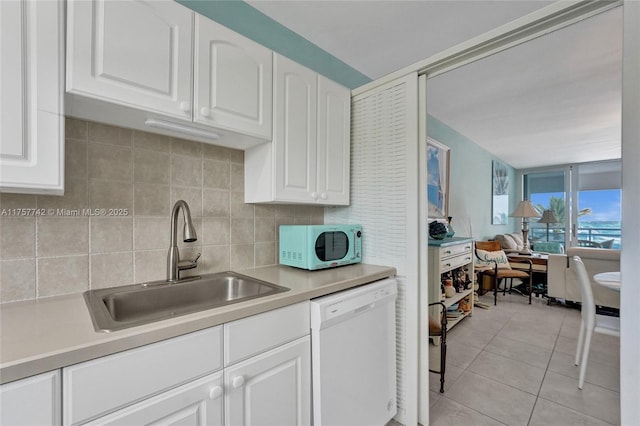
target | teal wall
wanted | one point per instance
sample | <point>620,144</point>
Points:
<point>470,184</point>
<point>253,24</point>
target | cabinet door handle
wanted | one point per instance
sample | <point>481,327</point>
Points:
<point>323,195</point>
<point>237,381</point>
<point>215,392</point>
<point>185,106</point>
<point>314,195</point>
<point>205,112</point>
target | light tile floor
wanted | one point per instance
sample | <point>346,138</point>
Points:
<point>513,365</point>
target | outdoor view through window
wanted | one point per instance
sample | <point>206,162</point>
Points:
<point>598,220</point>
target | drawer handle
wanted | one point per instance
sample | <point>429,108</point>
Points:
<point>237,382</point>
<point>447,252</point>
<point>447,264</point>
<point>215,393</point>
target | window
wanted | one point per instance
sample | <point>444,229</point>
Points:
<point>599,205</point>
<point>546,191</point>
<point>585,199</point>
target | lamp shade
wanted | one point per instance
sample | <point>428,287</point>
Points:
<point>525,209</point>
<point>548,217</point>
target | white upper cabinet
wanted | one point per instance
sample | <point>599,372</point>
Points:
<point>308,161</point>
<point>31,97</point>
<point>295,136</point>
<point>233,80</point>
<point>133,53</point>
<point>334,127</point>
<point>157,66</point>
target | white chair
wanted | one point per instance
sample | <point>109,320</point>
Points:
<point>590,320</point>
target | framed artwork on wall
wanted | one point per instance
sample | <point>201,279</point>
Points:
<point>437,180</point>
<point>500,200</point>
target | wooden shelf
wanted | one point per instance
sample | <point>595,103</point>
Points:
<point>452,322</point>
<point>448,301</point>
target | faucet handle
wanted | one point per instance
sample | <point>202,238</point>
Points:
<point>189,264</point>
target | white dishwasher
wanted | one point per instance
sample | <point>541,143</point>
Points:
<point>353,347</point>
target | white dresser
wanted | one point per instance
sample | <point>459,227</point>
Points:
<point>451,257</point>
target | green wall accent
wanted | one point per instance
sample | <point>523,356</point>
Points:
<point>253,24</point>
<point>470,175</point>
<point>470,190</point>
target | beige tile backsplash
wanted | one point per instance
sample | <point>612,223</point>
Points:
<point>108,167</point>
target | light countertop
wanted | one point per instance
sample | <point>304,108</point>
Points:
<point>45,334</point>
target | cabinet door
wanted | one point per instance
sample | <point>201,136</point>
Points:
<point>233,81</point>
<point>198,403</point>
<point>136,374</point>
<point>31,88</point>
<point>32,401</point>
<point>273,388</point>
<point>134,53</point>
<point>334,128</point>
<point>294,137</point>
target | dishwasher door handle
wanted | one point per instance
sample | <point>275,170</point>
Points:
<point>364,308</point>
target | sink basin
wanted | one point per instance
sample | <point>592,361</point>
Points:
<point>117,308</point>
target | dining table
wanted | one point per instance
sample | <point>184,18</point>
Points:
<point>608,279</point>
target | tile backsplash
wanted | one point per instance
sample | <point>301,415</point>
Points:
<point>112,225</point>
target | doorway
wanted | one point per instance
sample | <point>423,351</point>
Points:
<point>473,202</point>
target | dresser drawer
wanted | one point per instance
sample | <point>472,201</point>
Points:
<point>455,250</point>
<point>97,387</point>
<point>455,261</point>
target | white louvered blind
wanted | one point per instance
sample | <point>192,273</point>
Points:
<point>379,199</point>
<point>401,348</point>
<point>378,176</point>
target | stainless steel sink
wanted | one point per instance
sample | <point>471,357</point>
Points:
<point>117,308</point>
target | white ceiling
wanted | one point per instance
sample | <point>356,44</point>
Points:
<point>553,100</point>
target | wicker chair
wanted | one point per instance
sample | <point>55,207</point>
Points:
<point>498,274</point>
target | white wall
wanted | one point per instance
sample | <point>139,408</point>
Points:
<point>630,294</point>
<point>470,189</point>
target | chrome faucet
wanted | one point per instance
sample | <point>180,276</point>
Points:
<point>174,264</point>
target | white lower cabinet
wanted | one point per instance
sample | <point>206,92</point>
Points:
<point>273,388</point>
<point>198,403</point>
<point>95,388</point>
<point>262,377</point>
<point>31,401</point>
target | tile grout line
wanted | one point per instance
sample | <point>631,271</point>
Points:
<point>544,376</point>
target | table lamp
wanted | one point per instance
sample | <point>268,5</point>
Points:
<point>548,217</point>
<point>525,210</point>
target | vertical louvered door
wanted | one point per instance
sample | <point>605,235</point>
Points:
<point>384,199</point>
